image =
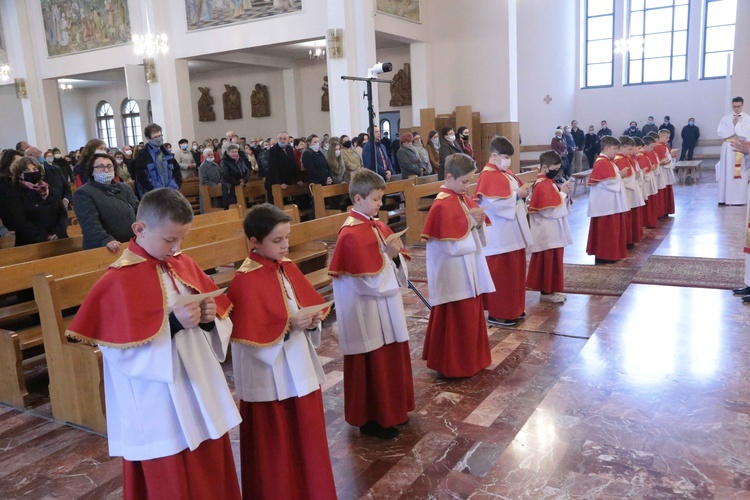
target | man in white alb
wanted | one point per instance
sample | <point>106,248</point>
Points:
<point>743,148</point>
<point>733,128</point>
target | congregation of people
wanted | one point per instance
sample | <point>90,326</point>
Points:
<point>169,419</point>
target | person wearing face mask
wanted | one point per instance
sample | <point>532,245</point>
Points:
<point>579,140</point>
<point>185,159</point>
<point>424,157</point>
<point>448,146</point>
<point>650,126</point>
<point>87,152</point>
<point>53,176</point>
<point>281,165</point>
<point>410,161</point>
<point>548,221</point>
<point>382,166</point>
<point>433,151</point>
<point>234,172</point>
<point>632,130</point>
<point>591,146</point>
<point>352,160</point>
<point>209,174</point>
<point>122,174</point>
<point>462,137</point>
<point>195,150</point>
<point>155,167</point>
<point>501,195</point>
<point>105,207</point>
<point>668,126</point>
<point>690,135</point>
<point>314,162</point>
<point>335,162</point>
<point>32,210</point>
<point>559,146</point>
<point>59,160</point>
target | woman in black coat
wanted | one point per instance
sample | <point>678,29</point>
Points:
<point>33,211</point>
<point>234,172</point>
<point>315,163</point>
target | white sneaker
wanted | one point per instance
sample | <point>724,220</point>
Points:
<point>552,297</point>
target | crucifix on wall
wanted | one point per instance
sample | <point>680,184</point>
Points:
<point>547,99</point>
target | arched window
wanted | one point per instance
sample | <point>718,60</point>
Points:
<point>105,124</point>
<point>385,126</point>
<point>131,122</point>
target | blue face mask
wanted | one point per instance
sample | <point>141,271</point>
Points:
<point>40,159</point>
<point>691,122</point>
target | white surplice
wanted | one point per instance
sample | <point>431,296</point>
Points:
<point>171,393</point>
<point>732,191</point>
<point>608,197</point>
<point>509,230</point>
<point>550,228</point>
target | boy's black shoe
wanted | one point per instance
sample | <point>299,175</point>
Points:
<point>745,290</point>
<point>374,429</point>
<point>746,299</point>
<point>501,322</point>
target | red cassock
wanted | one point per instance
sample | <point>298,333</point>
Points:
<point>208,470</point>
<point>456,343</point>
<point>625,172</point>
<point>508,269</point>
<point>660,196</point>
<point>283,444</point>
<point>546,270</point>
<point>378,385</point>
<point>608,233</point>
<point>636,213</point>
<point>662,151</point>
<point>650,216</point>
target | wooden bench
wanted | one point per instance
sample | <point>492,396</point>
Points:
<point>291,190</point>
<point>319,195</point>
<point>426,179</point>
<point>7,241</point>
<point>396,187</point>
<point>190,188</point>
<point>581,179</point>
<point>208,194</point>
<point>76,369</point>
<point>685,169</point>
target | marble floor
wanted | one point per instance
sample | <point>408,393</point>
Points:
<point>644,395</point>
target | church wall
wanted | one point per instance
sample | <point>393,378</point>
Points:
<point>78,118</point>
<point>398,56</point>
<point>12,129</point>
<point>313,120</point>
<point>244,79</point>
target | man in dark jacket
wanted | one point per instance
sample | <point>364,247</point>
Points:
<point>690,135</point>
<point>579,138</point>
<point>155,167</point>
<point>604,131</point>
<point>650,126</point>
<point>668,126</point>
<point>282,168</point>
<point>382,165</point>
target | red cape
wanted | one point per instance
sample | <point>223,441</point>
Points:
<point>357,251</point>
<point>654,158</point>
<point>644,162</point>
<point>495,183</point>
<point>661,150</point>
<point>447,219</point>
<point>622,163</point>
<point>262,317</point>
<point>544,195</point>
<point>603,169</point>
<point>127,307</point>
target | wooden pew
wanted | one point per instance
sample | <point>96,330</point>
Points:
<point>7,241</point>
<point>291,190</point>
<point>395,188</point>
<point>426,179</point>
<point>319,195</point>
<point>75,369</point>
<point>190,189</point>
<point>207,194</point>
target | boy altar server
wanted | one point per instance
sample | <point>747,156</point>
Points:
<point>607,204</point>
<point>169,409</point>
<point>648,184</point>
<point>549,208</point>
<point>660,177</point>
<point>456,342</point>
<point>277,374</point>
<point>501,194</point>
<point>630,172</point>
<point>667,167</point>
<point>369,274</point>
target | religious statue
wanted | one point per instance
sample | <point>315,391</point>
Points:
<point>325,104</point>
<point>206,106</point>
<point>232,103</point>
<point>401,87</point>
<point>260,104</point>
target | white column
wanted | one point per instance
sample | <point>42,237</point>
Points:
<point>741,69</point>
<point>171,103</point>
<point>421,86</point>
<point>292,98</point>
<point>348,109</point>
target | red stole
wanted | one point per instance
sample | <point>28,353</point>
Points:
<point>127,307</point>
<point>661,150</point>
<point>263,316</point>
<point>358,247</point>
<point>644,162</point>
<point>495,183</point>
<point>623,163</point>
<point>545,195</point>
<point>447,219</point>
<point>603,170</point>
<point>654,158</point>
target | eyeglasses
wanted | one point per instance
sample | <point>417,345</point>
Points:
<point>104,168</point>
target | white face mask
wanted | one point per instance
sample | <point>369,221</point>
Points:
<point>128,152</point>
<point>119,161</point>
<point>435,142</point>
<point>315,147</point>
<point>452,137</point>
<point>104,177</point>
<point>338,153</point>
<point>48,159</point>
<point>504,163</point>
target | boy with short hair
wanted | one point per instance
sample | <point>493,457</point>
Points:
<point>607,239</point>
<point>627,175</point>
<point>369,273</point>
<point>665,161</point>
<point>630,174</point>
<point>456,343</point>
<point>169,409</point>
<point>659,177</point>
<point>501,195</point>
<point>548,216</point>
<point>276,370</point>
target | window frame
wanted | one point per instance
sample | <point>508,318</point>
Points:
<point>626,74</point>
<point>109,124</point>
<point>586,46</point>
<point>130,131</point>
<point>704,29</point>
